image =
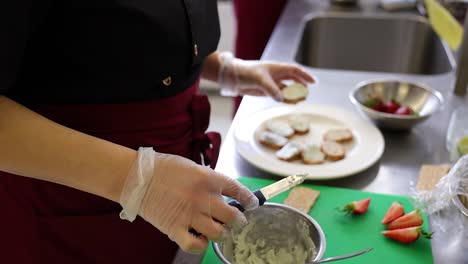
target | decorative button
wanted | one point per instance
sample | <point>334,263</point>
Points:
<point>195,50</point>
<point>167,81</point>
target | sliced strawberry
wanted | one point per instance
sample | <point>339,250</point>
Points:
<point>396,210</point>
<point>411,219</point>
<point>407,235</point>
<point>356,207</point>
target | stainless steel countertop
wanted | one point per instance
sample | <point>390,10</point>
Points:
<point>405,152</point>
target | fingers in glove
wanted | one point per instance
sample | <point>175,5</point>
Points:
<point>237,191</point>
<point>297,73</point>
<point>255,91</point>
<point>270,87</point>
<point>189,242</point>
<point>281,85</point>
<point>208,227</point>
<point>227,214</point>
<point>294,77</point>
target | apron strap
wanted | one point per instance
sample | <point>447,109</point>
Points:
<point>211,152</point>
<point>206,146</point>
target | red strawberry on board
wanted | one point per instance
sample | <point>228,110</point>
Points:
<point>411,219</point>
<point>396,210</point>
<point>356,207</point>
<point>407,235</point>
<point>391,106</point>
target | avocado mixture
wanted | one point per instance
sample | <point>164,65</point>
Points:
<point>273,238</point>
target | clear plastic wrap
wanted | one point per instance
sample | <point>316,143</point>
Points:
<point>439,205</point>
<point>458,128</point>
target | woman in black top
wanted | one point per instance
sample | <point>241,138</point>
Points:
<point>83,85</point>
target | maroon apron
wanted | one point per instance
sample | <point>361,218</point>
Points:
<point>253,31</point>
<point>44,222</point>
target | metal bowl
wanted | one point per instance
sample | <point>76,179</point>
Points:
<point>422,99</point>
<point>461,202</point>
<point>274,223</point>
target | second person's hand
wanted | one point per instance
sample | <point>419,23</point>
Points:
<point>251,77</point>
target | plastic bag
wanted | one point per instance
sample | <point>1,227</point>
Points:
<point>438,203</point>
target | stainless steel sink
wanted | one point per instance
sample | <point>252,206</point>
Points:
<point>376,43</point>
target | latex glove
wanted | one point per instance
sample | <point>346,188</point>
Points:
<point>175,194</point>
<point>252,77</point>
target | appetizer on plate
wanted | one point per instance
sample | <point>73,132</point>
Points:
<point>338,135</point>
<point>299,123</point>
<point>280,128</point>
<point>272,140</point>
<point>313,155</point>
<point>289,151</point>
<point>333,151</point>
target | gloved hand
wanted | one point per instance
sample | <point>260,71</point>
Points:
<point>175,194</point>
<point>251,77</point>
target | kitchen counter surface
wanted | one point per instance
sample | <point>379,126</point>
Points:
<point>405,152</point>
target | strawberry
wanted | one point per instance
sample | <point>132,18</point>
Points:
<point>407,235</point>
<point>404,110</point>
<point>411,219</point>
<point>391,106</point>
<point>356,207</point>
<point>396,210</point>
<point>375,104</point>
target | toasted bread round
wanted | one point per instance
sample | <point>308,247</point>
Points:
<point>294,93</point>
<point>272,140</point>
<point>280,128</point>
<point>312,155</point>
<point>289,151</point>
<point>299,123</point>
<point>332,150</point>
<point>338,135</point>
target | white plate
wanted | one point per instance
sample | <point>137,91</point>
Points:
<point>366,149</point>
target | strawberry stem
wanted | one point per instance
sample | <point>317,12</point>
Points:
<point>348,209</point>
<point>426,235</point>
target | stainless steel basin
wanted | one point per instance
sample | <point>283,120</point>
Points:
<point>376,43</point>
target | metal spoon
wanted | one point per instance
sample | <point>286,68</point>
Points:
<point>340,257</point>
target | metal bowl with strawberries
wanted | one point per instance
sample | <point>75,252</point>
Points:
<point>395,104</point>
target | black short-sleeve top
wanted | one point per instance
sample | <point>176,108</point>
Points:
<point>103,51</point>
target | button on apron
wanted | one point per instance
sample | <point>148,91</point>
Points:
<point>167,81</point>
<point>195,50</point>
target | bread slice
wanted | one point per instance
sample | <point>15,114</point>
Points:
<point>338,135</point>
<point>280,127</point>
<point>312,155</point>
<point>299,123</point>
<point>294,93</point>
<point>332,150</point>
<point>289,151</point>
<point>302,198</point>
<point>272,140</point>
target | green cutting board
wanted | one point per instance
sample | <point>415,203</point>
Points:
<point>349,233</point>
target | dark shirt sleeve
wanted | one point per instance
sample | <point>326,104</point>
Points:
<point>16,25</point>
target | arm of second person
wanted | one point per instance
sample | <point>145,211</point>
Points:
<point>251,77</point>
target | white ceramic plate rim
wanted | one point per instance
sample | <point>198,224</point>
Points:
<point>368,148</point>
